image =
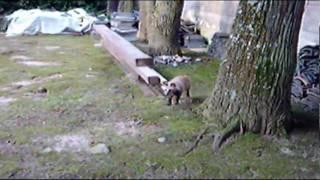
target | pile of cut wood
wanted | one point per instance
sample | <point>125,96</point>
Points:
<point>306,86</point>
<point>174,60</point>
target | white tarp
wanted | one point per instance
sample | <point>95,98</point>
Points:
<point>36,21</point>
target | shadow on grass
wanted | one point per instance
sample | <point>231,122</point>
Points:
<point>198,100</point>
<point>305,121</point>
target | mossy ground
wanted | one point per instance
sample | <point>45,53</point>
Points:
<point>91,106</point>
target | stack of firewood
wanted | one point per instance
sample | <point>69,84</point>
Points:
<point>174,60</point>
<point>306,86</point>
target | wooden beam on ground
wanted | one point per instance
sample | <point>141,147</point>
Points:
<point>130,57</point>
<point>121,49</point>
<point>149,75</point>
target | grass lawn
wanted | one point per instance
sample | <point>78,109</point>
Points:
<point>90,101</point>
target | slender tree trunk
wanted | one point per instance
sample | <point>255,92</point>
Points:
<point>252,92</point>
<point>163,31</point>
<point>142,33</point>
<point>125,6</point>
<point>146,9</point>
<point>112,6</point>
<point>136,5</point>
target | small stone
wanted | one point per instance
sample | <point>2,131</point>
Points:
<point>98,45</point>
<point>47,150</point>
<point>179,59</point>
<point>287,151</point>
<point>186,58</point>
<point>138,122</point>
<point>162,139</point>
<point>99,148</point>
<point>42,90</point>
<point>90,76</point>
<point>174,64</point>
<point>305,155</point>
<point>52,48</point>
<point>198,60</point>
<point>259,153</point>
<point>304,169</point>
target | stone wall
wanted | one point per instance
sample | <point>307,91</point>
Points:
<point>215,16</point>
<point>211,16</point>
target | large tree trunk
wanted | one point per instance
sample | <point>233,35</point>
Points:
<point>125,6</point>
<point>163,31</point>
<point>252,92</point>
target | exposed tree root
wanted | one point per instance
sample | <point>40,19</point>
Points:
<point>219,138</point>
<point>198,139</point>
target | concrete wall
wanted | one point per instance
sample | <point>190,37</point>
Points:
<point>211,16</point>
<point>214,16</point>
<point>309,32</point>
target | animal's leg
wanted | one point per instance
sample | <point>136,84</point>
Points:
<point>188,96</point>
<point>177,99</point>
<point>169,100</point>
<point>188,93</point>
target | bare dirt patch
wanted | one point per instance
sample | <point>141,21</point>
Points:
<point>35,95</point>
<point>5,51</point>
<point>127,129</point>
<point>7,147</point>
<point>24,83</point>
<point>6,101</point>
<point>74,143</point>
<point>134,128</point>
<point>38,63</point>
<point>71,143</point>
<point>52,48</point>
<point>20,57</point>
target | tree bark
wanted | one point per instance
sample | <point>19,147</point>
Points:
<point>163,30</point>
<point>145,11</point>
<point>136,5</point>
<point>252,92</point>
<point>125,6</point>
<point>143,15</point>
<point>112,6</point>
